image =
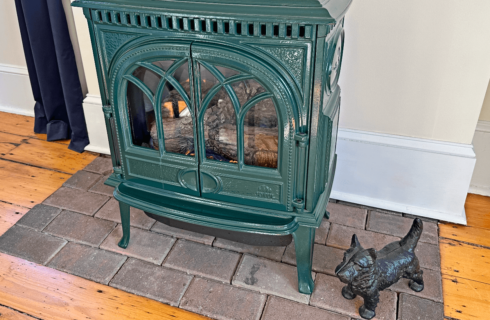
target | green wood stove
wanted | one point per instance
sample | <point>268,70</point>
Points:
<point>222,114</point>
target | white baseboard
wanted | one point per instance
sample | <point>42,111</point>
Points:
<point>480,182</point>
<point>417,176</point>
<point>15,90</point>
<point>94,117</point>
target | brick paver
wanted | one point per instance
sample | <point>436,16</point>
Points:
<point>39,217</point>
<point>415,308</point>
<point>282,309</point>
<point>88,262</point>
<point>82,180</point>
<point>222,301</point>
<point>270,252</point>
<point>322,232</point>
<point>110,211</point>
<point>340,237</point>
<point>76,200</point>
<point>428,255</point>
<point>399,226</point>
<point>327,295</point>
<point>29,244</point>
<point>203,260</point>
<point>325,259</point>
<point>80,228</point>
<point>100,165</point>
<point>269,277</point>
<point>347,215</point>
<point>152,281</point>
<point>102,188</point>
<point>181,233</point>
<point>432,286</point>
<point>144,245</point>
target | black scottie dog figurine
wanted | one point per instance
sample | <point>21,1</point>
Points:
<point>367,272</point>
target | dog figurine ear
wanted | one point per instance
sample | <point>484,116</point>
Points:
<point>368,258</point>
<point>354,242</point>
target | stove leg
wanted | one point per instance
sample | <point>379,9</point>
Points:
<point>304,237</point>
<point>125,212</point>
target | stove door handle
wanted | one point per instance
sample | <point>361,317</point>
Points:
<point>210,183</point>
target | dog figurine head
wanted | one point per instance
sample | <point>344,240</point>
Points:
<point>357,264</point>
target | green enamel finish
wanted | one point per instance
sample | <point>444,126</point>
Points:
<point>304,11</point>
<point>288,47</point>
<point>125,215</point>
<point>304,239</point>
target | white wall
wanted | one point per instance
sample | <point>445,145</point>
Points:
<point>413,82</point>
<point>416,68</point>
<point>480,182</point>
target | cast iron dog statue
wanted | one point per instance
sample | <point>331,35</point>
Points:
<point>367,272</point>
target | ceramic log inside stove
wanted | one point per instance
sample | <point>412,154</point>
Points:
<point>222,117</point>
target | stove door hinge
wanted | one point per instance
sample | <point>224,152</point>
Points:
<point>107,111</point>
<point>302,150</point>
<point>111,135</point>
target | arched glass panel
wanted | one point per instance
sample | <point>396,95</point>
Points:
<point>208,80</point>
<point>247,89</point>
<point>226,72</point>
<point>141,116</point>
<point>182,76</point>
<point>164,64</point>
<point>148,77</point>
<point>261,135</point>
<point>176,122</point>
<point>220,129</point>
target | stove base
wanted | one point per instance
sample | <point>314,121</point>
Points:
<point>242,237</point>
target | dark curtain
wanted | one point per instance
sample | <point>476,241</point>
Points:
<point>52,71</point>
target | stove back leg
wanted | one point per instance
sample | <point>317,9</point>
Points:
<point>304,237</point>
<point>125,213</point>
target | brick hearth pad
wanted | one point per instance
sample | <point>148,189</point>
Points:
<point>77,228</point>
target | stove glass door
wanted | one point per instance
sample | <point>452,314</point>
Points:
<point>239,129</point>
<point>160,115</point>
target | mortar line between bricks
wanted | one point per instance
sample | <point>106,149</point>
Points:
<point>186,289</point>
<point>27,314</point>
<point>113,228</point>
<point>122,265</point>
<point>238,265</point>
<point>56,252</point>
<point>268,297</point>
<point>169,252</point>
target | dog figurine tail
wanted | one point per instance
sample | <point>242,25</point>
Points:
<point>409,242</point>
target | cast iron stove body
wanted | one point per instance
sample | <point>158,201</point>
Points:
<point>222,113</point>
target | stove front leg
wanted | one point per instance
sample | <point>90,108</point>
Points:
<point>304,237</point>
<point>125,213</point>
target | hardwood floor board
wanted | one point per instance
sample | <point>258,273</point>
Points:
<point>9,314</point>
<point>50,294</point>
<point>26,185</point>
<point>44,137</point>
<point>9,215</point>
<point>17,124</point>
<point>466,261</point>
<point>474,235</point>
<point>49,155</point>
<point>9,142</point>
<point>465,299</point>
<point>477,209</point>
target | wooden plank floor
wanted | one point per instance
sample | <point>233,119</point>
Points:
<point>465,262</point>
<point>31,169</point>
